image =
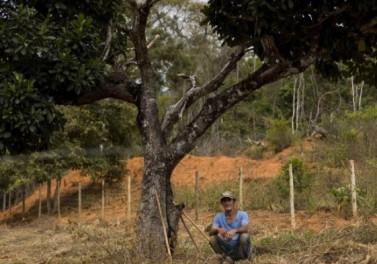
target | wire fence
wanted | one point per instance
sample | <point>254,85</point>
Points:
<point>97,199</point>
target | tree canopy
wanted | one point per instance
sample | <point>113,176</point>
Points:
<point>332,31</point>
<point>50,51</point>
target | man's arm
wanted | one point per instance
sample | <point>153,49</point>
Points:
<point>242,229</point>
<point>217,230</point>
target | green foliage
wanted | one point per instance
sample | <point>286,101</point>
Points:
<point>279,134</point>
<point>303,181</point>
<point>256,194</point>
<point>302,177</point>
<point>77,147</point>
<point>28,117</point>
<point>106,166</point>
<point>351,136</point>
<point>107,123</point>
<point>103,132</point>
<point>59,55</point>
<point>343,197</point>
<point>6,171</point>
<point>48,50</point>
<point>255,152</point>
<point>295,25</point>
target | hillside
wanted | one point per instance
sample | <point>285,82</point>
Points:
<point>212,171</point>
<point>94,238</point>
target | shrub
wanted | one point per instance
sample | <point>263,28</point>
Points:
<point>343,197</point>
<point>279,134</point>
<point>302,180</point>
<point>255,152</point>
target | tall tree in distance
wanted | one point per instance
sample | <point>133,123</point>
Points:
<point>288,36</point>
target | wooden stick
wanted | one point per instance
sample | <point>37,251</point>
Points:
<point>196,196</point>
<point>40,201</point>
<point>163,226</point>
<point>129,198</point>
<point>241,183</point>
<point>192,222</point>
<point>58,189</point>
<point>79,202</point>
<point>353,189</point>
<point>292,196</point>
<point>103,201</point>
<point>188,231</point>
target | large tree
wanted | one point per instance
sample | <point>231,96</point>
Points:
<point>74,52</point>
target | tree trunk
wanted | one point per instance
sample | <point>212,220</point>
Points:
<point>156,177</point>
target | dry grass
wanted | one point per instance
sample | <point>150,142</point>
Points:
<point>349,245</point>
<point>47,241</point>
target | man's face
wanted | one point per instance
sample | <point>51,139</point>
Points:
<point>227,203</point>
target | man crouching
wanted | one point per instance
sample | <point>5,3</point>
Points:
<point>230,231</point>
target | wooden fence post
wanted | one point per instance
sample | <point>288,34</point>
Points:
<point>48,197</point>
<point>40,201</point>
<point>80,202</point>
<point>23,200</point>
<point>353,189</point>
<point>103,201</point>
<point>292,196</point>
<point>196,196</point>
<point>10,203</point>
<point>241,183</point>
<point>129,198</point>
<point>4,200</point>
<point>58,190</point>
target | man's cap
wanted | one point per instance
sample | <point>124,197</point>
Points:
<point>227,194</point>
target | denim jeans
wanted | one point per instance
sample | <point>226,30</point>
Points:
<point>237,250</point>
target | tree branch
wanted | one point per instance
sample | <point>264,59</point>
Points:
<point>195,92</point>
<point>115,86</point>
<point>216,106</point>
<point>106,51</point>
<point>225,12</point>
<point>271,52</point>
<point>133,61</point>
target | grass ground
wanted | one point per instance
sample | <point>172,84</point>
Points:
<point>47,240</point>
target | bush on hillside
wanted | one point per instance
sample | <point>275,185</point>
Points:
<point>279,134</point>
<point>303,181</point>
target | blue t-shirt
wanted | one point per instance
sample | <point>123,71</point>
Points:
<point>241,219</point>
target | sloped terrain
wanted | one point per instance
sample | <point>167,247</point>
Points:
<point>22,237</point>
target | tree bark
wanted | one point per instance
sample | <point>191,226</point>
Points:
<point>156,177</point>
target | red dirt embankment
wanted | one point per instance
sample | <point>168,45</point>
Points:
<point>212,170</point>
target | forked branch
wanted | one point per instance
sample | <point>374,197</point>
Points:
<point>196,92</point>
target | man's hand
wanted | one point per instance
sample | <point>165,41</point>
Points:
<point>221,231</point>
<point>229,235</point>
